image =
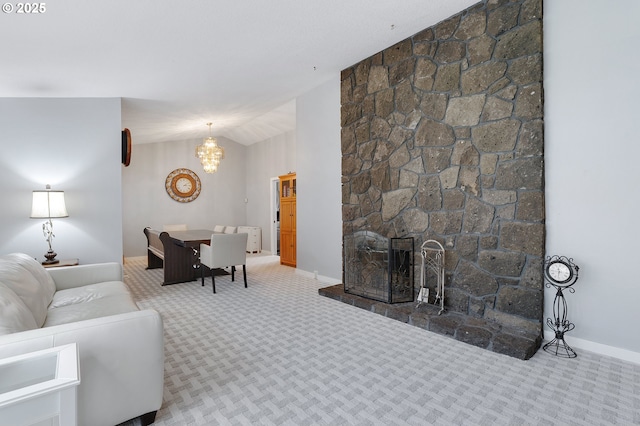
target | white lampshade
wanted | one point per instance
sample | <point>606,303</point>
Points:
<point>48,204</point>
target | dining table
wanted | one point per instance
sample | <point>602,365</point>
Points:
<point>193,237</point>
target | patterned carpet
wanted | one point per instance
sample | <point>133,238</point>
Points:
<point>277,353</point>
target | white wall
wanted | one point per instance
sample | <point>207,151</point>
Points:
<point>319,196</point>
<point>146,202</point>
<point>591,89</point>
<point>265,160</point>
<point>74,145</point>
<point>591,150</point>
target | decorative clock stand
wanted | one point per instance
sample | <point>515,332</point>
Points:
<point>561,273</point>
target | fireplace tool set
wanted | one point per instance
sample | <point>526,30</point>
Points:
<point>432,269</point>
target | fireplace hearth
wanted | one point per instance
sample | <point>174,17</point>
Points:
<point>478,332</point>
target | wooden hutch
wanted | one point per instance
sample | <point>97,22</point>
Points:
<point>288,219</point>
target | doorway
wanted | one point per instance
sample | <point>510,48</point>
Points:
<point>274,184</point>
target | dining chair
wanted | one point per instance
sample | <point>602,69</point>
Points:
<point>224,250</point>
<point>178,260</point>
<point>177,227</point>
<point>230,230</point>
<point>218,228</point>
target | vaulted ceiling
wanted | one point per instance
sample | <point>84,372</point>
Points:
<point>180,64</point>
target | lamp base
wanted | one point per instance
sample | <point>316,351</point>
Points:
<point>51,258</point>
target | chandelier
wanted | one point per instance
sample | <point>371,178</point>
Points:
<point>210,153</point>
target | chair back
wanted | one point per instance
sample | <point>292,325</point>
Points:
<point>230,230</point>
<point>155,249</point>
<point>153,239</point>
<point>218,228</point>
<point>176,227</point>
<point>228,250</point>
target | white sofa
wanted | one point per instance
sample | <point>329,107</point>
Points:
<point>121,348</point>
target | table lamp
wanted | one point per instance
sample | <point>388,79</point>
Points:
<point>48,204</point>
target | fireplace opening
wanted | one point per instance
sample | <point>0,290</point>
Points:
<point>379,268</point>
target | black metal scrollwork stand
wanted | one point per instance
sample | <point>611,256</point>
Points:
<point>559,323</point>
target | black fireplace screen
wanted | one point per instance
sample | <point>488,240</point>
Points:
<point>378,268</point>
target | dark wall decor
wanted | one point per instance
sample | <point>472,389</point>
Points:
<point>442,138</point>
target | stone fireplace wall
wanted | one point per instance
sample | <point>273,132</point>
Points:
<point>442,138</point>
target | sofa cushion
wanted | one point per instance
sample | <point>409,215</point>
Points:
<point>90,301</point>
<point>30,281</point>
<point>36,269</point>
<point>14,314</point>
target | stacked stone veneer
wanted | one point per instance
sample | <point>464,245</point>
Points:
<point>442,138</point>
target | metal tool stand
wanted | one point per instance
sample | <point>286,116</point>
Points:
<point>432,254</point>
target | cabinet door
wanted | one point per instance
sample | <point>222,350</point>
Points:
<point>288,248</point>
<point>288,186</point>
<point>294,215</point>
<point>287,216</point>
<point>285,188</point>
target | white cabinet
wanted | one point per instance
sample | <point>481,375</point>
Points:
<point>254,240</point>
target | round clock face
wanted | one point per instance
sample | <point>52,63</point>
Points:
<point>183,185</point>
<point>559,272</point>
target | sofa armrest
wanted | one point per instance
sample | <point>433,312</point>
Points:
<point>121,361</point>
<point>81,275</point>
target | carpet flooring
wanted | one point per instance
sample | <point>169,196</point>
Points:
<point>277,353</point>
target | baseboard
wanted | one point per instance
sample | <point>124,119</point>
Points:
<point>315,276</point>
<point>598,348</point>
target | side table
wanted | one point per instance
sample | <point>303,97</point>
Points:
<point>66,262</point>
<point>40,387</point>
